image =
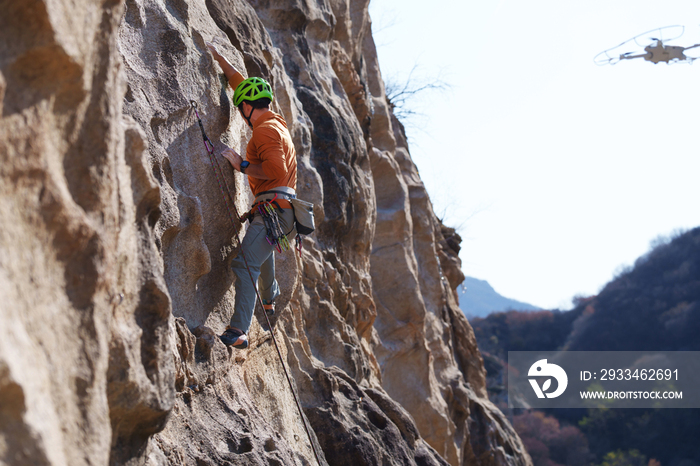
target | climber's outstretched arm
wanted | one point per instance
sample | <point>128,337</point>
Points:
<point>227,67</point>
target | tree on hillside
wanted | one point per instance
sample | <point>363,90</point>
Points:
<point>550,444</point>
<point>627,458</point>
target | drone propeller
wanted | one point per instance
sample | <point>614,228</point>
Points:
<point>663,34</point>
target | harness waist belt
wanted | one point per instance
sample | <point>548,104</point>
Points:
<point>281,202</point>
<point>286,190</point>
<point>280,198</point>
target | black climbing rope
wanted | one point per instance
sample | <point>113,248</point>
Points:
<point>233,213</point>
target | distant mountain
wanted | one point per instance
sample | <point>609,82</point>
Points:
<point>479,299</point>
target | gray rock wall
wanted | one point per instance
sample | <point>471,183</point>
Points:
<point>116,243</point>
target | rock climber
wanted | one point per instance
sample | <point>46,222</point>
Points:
<point>271,165</point>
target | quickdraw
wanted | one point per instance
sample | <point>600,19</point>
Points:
<point>298,244</point>
<point>275,234</point>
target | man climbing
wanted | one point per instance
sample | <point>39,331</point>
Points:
<point>271,166</point>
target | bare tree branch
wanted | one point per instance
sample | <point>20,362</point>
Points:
<point>402,95</point>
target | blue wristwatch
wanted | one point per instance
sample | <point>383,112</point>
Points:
<point>244,165</point>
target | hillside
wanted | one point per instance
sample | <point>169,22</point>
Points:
<point>116,245</point>
<point>655,306</point>
<point>477,298</point>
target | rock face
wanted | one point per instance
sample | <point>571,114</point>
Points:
<point>116,243</point>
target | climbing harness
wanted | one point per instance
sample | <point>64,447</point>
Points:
<point>221,180</point>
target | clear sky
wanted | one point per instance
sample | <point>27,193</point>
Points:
<point>557,172</point>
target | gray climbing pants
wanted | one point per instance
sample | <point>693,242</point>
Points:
<point>261,261</point>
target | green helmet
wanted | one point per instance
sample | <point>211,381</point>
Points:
<point>252,89</point>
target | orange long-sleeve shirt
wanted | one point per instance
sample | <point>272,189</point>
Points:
<point>270,146</point>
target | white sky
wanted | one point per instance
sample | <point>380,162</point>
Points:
<point>556,171</point>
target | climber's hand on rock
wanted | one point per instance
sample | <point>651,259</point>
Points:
<point>233,158</point>
<point>225,65</point>
<point>214,51</point>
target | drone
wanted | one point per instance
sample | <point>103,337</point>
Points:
<point>651,46</point>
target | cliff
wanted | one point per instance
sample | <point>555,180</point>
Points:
<point>116,243</point>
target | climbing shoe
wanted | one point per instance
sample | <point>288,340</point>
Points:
<point>270,318</point>
<point>234,337</point>
<point>269,308</point>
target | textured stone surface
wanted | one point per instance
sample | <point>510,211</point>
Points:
<point>84,367</point>
<point>116,243</point>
